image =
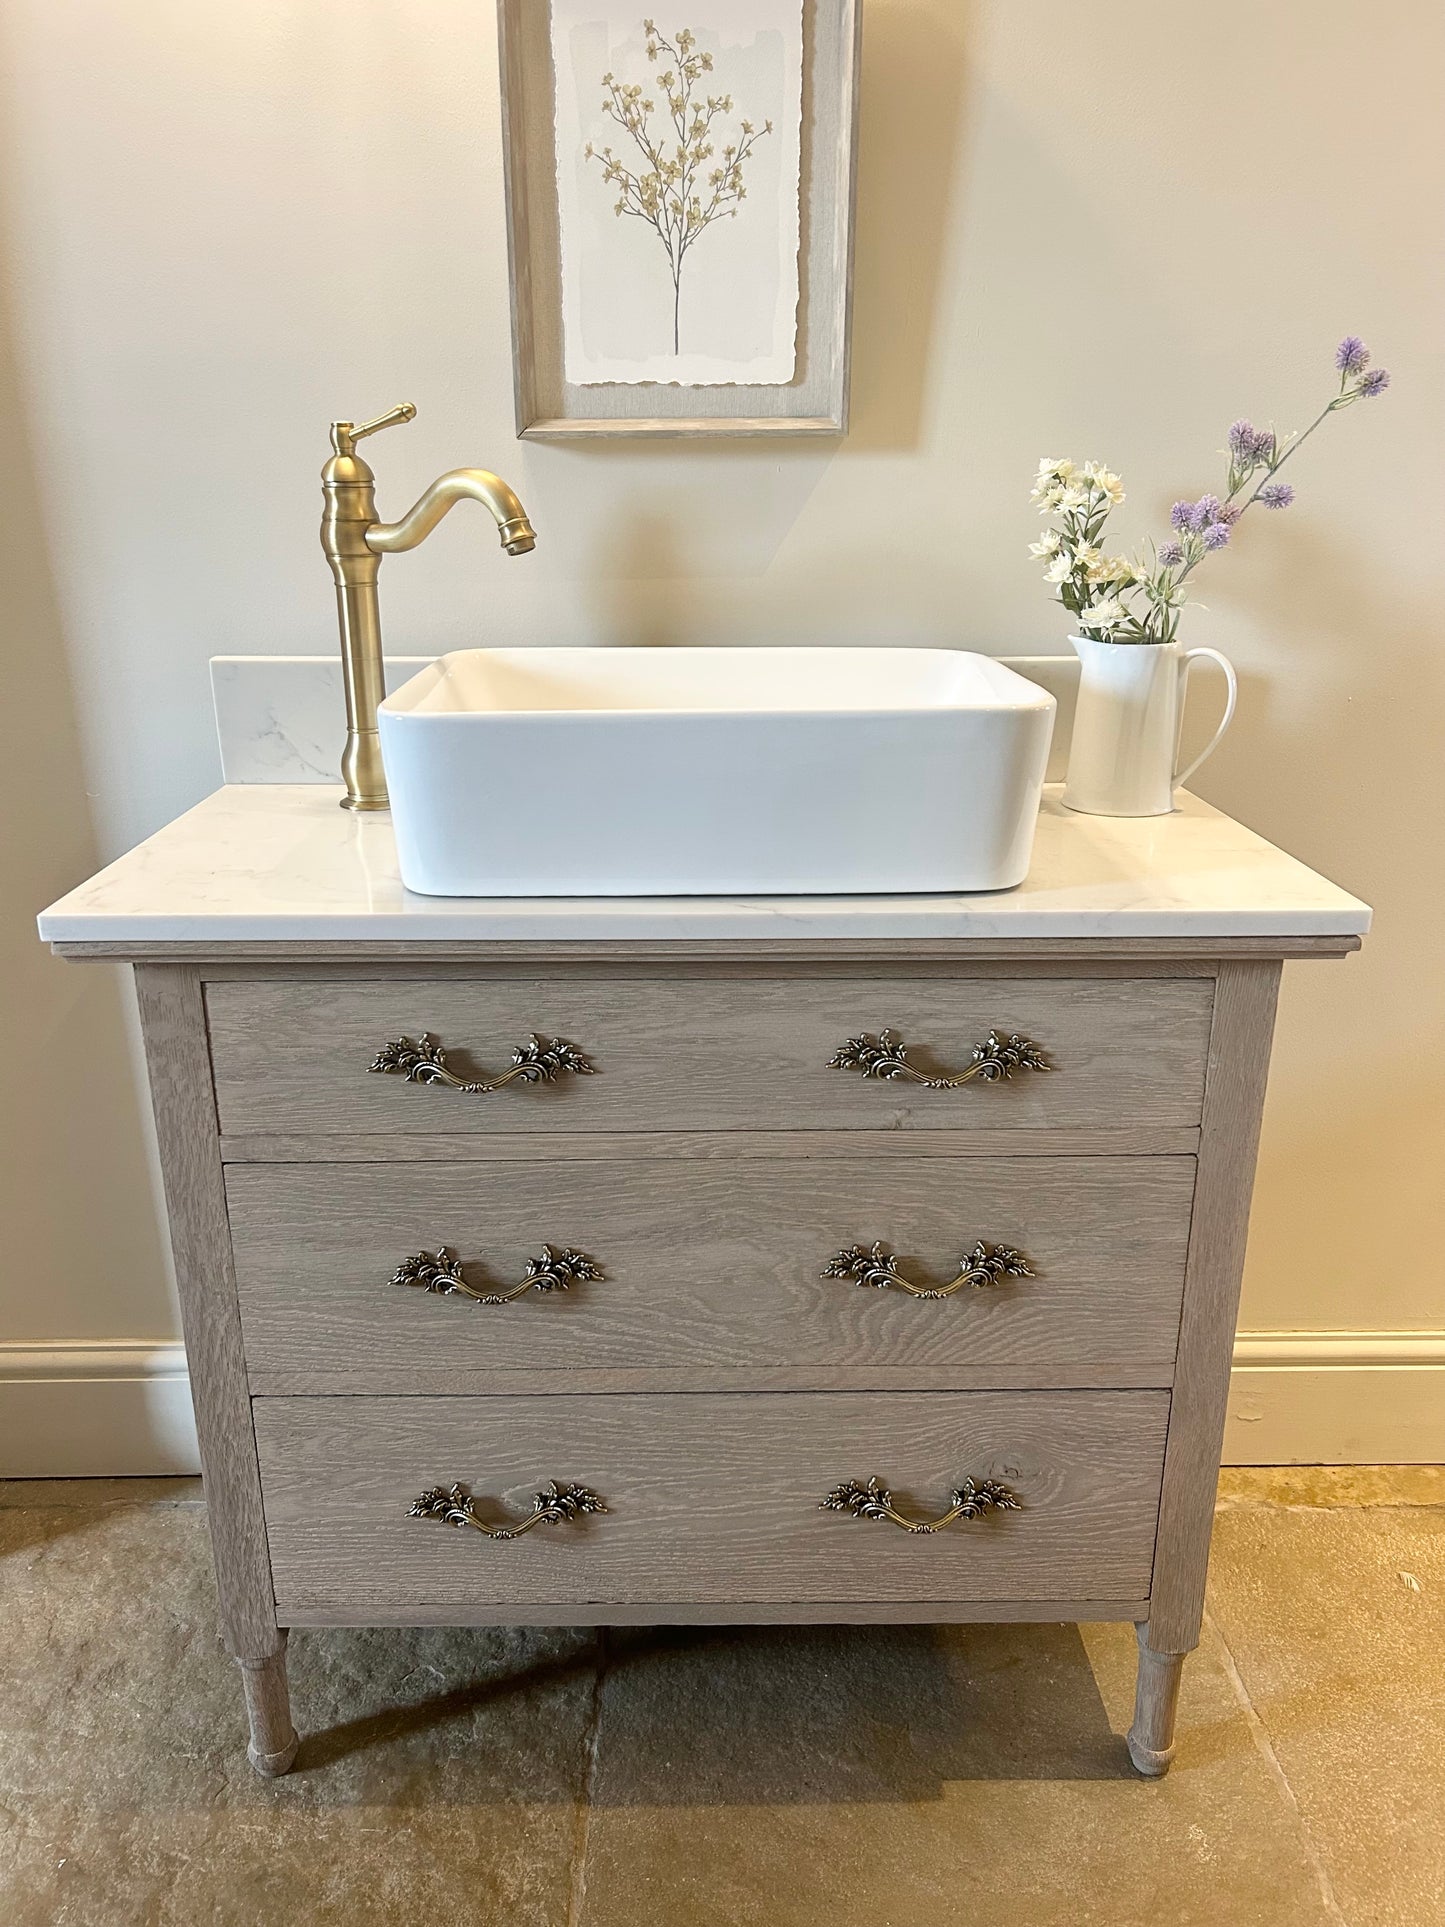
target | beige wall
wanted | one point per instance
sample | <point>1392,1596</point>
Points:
<point>1100,231</point>
<point>80,1249</point>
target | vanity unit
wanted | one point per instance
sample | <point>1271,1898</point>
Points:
<point>711,1260</point>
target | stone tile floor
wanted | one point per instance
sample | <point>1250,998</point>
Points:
<point>789,1777</point>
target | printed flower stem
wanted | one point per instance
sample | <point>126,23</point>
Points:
<point>667,191</point>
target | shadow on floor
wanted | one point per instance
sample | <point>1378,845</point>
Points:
<point>728,1777</point>
<point>437,1653</point>
<point>24,1531</point>
<point>791,1715</point>
<point>796,1714</point>
<point>37,1512</point>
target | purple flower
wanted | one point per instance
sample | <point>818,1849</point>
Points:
<point>1216,535</point>
<point>1278,495</point>
<point>1205,514</point>
<point>1181,515</point>
<point>1352,357</point>
<point>1375,382</point>
<point>1250,444</point>
<point>1171,554</point>
<point>1229,514</point>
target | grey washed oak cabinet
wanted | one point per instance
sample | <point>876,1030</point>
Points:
<point>639,1324</point>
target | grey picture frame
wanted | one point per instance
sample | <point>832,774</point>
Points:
<point>815,403</point>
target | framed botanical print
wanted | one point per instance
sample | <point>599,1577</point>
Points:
<point>680,214</point>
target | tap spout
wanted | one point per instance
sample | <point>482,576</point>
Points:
<point>462,484</point>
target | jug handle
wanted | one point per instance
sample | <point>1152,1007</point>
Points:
<point>1186,662</point>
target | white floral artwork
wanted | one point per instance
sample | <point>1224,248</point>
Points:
<point>679,143</point>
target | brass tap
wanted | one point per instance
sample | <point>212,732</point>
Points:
<point>354,542</point>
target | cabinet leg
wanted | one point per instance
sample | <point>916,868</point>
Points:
<point>268,1708</point>
<point>1156,1700</point>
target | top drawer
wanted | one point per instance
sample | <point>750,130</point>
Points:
<point>707,1055</point>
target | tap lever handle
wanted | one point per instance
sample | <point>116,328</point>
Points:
<point>403,412</point>
<point>345,435</point>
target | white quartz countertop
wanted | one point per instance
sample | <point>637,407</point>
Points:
<point>282,863</point>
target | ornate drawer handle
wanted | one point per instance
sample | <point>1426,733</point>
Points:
<point>535,1062</point>
<point>553,1505</point>
<point>969,1500</point>
<point>440,1271</point>
<point>994,1060</point>
<point>876,1265</point>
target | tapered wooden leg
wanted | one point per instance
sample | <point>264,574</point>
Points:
<point>268,1707</point>
<point>1156,1699</point>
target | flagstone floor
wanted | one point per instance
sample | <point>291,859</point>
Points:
<point>788,1777</point>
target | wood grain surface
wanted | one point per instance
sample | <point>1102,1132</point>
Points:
<point>710,1267</point>
<point>748,1055</point>
<point>1239,1048</point>
<point>173,1025</point>
<point>695,1612</point>
<point>710,1498</point>
<point>477,955</point>
<point>324,1147</point>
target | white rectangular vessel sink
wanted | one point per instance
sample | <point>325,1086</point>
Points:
<point>702,772</point>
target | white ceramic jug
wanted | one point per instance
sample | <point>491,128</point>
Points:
<point>1126,727</point>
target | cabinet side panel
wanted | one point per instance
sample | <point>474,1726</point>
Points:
<point>179,1064</point>
<point>1239,1046</point>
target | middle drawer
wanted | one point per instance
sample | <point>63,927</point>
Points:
<point>1072,1270</point>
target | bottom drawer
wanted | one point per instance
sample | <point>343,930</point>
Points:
<point>709,1499</point>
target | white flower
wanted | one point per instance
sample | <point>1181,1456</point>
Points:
<point>1047,544</point>
<point>1072,498</point>
<point>1090,558</point>
<point>1049,483</point>
<point>1118,568</point>
<point>1105,614</point>
<point>1060,569</point>
<point>1105,481</point>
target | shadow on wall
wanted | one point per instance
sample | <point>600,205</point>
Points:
<point>82,1249</point>
<point>1348,727</point>
<point>637,588</point>
<point>1361,666</point>
<point>910,122</point>
<point>668,569</point>
<point>667,537</point>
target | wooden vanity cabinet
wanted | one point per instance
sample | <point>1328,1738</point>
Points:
<point>660,1317</point>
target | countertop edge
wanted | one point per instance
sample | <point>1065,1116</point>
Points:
<point>372,948</point>
<point>250,871</point>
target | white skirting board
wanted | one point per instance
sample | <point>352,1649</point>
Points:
<point>123,1408</point>
<point>1337,1398</point>
<point>118,1408</point>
